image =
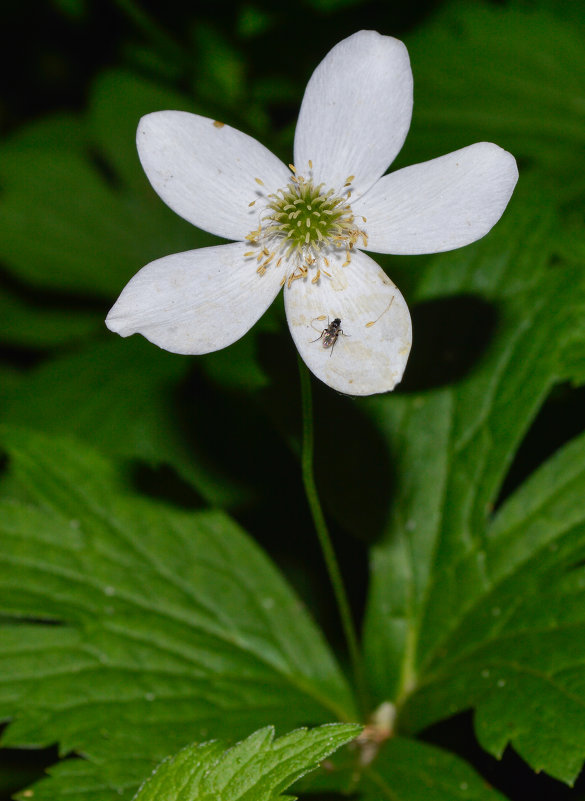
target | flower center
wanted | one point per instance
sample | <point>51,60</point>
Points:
<point>302,224</point>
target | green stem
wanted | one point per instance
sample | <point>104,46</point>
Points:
<point>325,540</point>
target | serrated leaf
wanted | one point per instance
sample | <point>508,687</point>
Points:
<point>172,626</point>
<point>117,777</point>
<point>443,585</point>
<point>256,769</point>
<point>517,646</point>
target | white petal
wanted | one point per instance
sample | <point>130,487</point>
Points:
<point>195,302</point>
<point>206,171</point>
<point>371,354</point>
<point>440,204</point>
<point>356,111</point>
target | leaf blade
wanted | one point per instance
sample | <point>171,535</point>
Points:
<point>177,625</point>
<point>256,769</point>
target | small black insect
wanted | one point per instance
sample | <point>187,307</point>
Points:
<point>329,335</point>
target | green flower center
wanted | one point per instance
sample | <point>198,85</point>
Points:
<point>301,224</point>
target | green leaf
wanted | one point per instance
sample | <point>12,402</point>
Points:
<point>66,228</point>
<point>26,322</point>
<point>256,769</point>
<point>221,71</point>
<point>399,769</point>
<point>118,100</point>
<point>123,397</point>
<point>444,631</point>
<point>116,777</point>
<point>572,248</point>
<point>520,636</point>
<point>489,72</point>
<point>407,770</point>
<point>58,131</point>
<point>81,218</point>
<point>171,627</point>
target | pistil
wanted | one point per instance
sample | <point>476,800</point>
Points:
<point>303,222</point>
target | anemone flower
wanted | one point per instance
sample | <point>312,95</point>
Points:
<point>304,227</point>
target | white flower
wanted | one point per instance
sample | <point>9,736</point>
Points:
<point>303,228</point>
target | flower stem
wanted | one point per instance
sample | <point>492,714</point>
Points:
<point>325,540</point>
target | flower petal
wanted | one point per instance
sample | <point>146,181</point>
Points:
<point>371,354</point>
<point>440,204</point>
<point>356,111</point>
<point>207,171</point>
<point>195,302</point>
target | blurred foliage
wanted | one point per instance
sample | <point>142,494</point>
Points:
<point>499,358</point>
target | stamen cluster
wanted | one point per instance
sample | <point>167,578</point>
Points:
<point>301,223</point>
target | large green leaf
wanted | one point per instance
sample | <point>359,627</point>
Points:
<point>165,627</point>
<point>123,396</point>
<point>513,76</point>
<point>26,322</point>
<point>78,216</point>
<point>407,770</point>
<point>256,769</point>
<point>516,648</point>
<point>456,599</point>
<point>399,769</point>
<point>118,100</point>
